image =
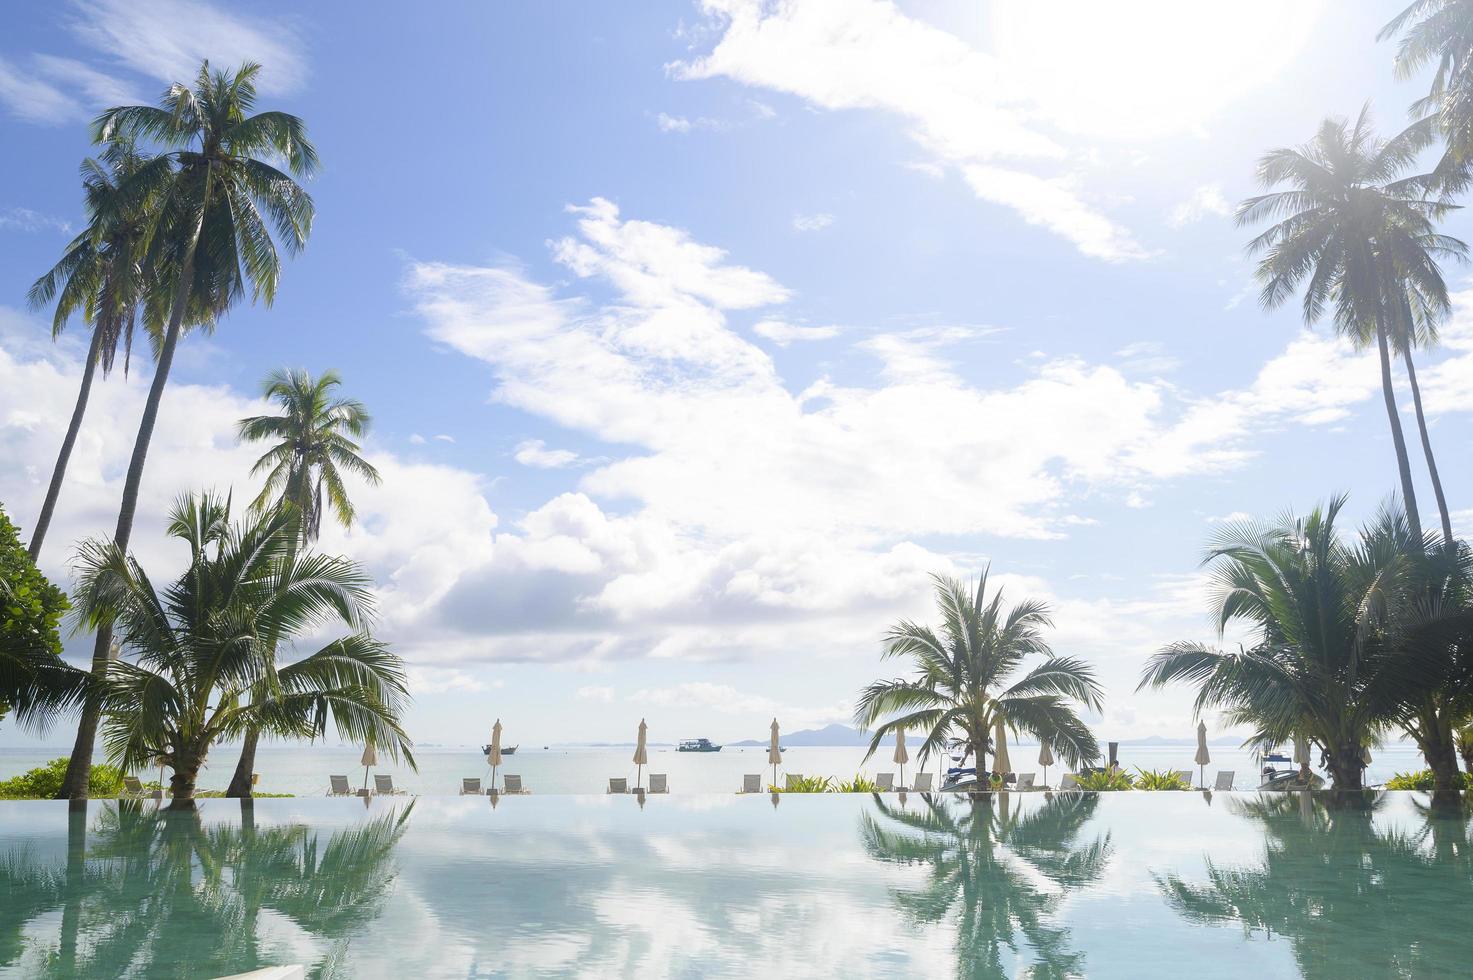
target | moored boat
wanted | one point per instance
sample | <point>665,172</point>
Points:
<point>505,750</point>
<point>698,745</point>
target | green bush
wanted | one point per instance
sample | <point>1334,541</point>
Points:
<point>1422,780</point>
<point>44,783</point>
<point>1105,781</point>
<point>859,784</point>
<point>1160,779</point>
<point>808,784</point>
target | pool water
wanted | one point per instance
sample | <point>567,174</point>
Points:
<point>1055,885</point>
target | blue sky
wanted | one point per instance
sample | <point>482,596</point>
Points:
<point>697,335</point>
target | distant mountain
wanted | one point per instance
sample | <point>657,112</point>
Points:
<point>827,735</point>
<point>1233,740</point>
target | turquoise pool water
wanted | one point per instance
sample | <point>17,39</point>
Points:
<point>1123,885</point>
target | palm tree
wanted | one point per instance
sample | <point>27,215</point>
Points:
<point>102,276</point>
<point>312,451</point>
<point>1441,32</point>
<point>202,646</point>
<point>961,672</point>
<point>213,195</point>
<point>1357,235</point>
<point>35,682</point>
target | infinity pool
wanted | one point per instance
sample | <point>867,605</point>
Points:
<point>1124,885</point>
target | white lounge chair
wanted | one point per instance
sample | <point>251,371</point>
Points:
<point>1068,781</point>
<point>512,785</point>
<point>794,778</point>
<point>752,783</point>
<point>470,787</point>
<point>1025,780</point>
<point>384,786</point>
<point>886,781</point>
<point>659,782</point>
<point>338,786</point>
<point>1224,780</point>
<point>1183,776</point>
<point>618,784</point>
<point>923,782</point>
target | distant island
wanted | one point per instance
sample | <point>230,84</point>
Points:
<point>827,735</point>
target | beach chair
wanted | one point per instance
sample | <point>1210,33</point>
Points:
<point>470,787</point>
<point>923,782</point>
<point>132,788</point>
<point>384,786</point>
<point>886,781</point>
<point>1224,780</point>
<point>751,783</point>
<point>1068,781</point>
<point>1183,776</point>
<point>338,786</point>
<point>794,778</point>
<point>512,784</point>
<point>1025,780</point>
<point>659,782</point>
<point>618,785</point>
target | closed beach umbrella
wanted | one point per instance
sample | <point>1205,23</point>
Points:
<point>641,754</point>
<point>901,757</point>
<point>1365,755</point>
<point>1000,749</point>
<point>774,751</point>
<point>369,760</point>
<point>1301,757</point>
<point>493,754</point>
<point>1045,759</point>
<point>1203,756</point>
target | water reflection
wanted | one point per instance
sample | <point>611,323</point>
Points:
<point>148,892</point>
<point>996,868</point>
<point>1345,886</point>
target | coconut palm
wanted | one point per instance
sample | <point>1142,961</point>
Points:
<point>313,449</point>
<point>215,204</point>
<point>1358,235</point>
<point>202,645</point>
<point>1440,32</point>
<point>961,686</point>
<point>102,276</point>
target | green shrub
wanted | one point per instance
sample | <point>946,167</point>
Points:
<point>808,784</point>
<point>44,783</point>
<point>1105,781</point>
<point>1160,779</point>
<point>1423,781</point>
<point>859,784</point>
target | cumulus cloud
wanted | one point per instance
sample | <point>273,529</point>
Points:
<point>1205,200</point>
<point>534,453</point>
<point>812,222</point>
<point>783,334</point>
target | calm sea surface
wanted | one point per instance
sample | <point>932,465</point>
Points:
<point>304,770</point>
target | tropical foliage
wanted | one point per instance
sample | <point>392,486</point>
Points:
<point>201,645</point>
<point>1105,781</point>
<point>1424,780</point>
<point>1160,779</point>
<point>807,784</point>
<point>1440,32</point>
<point>964,685</point>
<point>44,782</point>
<point>34,680</point>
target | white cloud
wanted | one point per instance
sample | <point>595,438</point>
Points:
<point>415,439</point>
<point>439,680</point>
<point>672,124</point>
<point>603,695</point>
<point>24,219</point>
<point>726,699</point>
<point>783,334</point>
<point>1205,200</point>
<point>534,453</point>
<point>812,222</point>
<point>34,100</point>
<point>442,437</point>
<point>1147,357</point>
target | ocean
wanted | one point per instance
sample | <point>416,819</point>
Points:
<point>304,770</point>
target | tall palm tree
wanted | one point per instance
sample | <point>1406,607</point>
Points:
<point>1358,235</point>
<point>1440,32</point>
<point>202,645</point>
<point>208,241</point>
<point>1412,328</point>
<point>312,450</point>
<point>961,672</point>
<point>102,276</point>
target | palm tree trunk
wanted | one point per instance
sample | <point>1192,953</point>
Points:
<point>58,473</point>
<point>1408,492</point>
<point>79,767</point>
<point>181,784</point>
<point>1346,768</point>
<point>1447,524</point>
<point>240,783</point>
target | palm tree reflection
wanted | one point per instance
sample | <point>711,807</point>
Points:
<point>1345,887</point>
<point>160,893</point>
<point>998,868</point>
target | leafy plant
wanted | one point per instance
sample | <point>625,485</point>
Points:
<point>34,680</point>
<point>1160,779</point>
<point>44,782</point>
<point>859,784</point>
<point>808,784</point>
<point>1105,781</point>
<point>1423,780</point>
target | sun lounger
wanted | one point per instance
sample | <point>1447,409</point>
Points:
<point>470,787</point>
<point>752,783</point>
<point>1183,776</point>
<point>384,786</point>
<point>659,782</point>
<point>618,785</point>
<point>132,788</point>
<point>886,781</point>
<point>1224,780</point>
<point>1025,780</point>
<point>338,786</point>
<point>794,778</point>
<point>923,782</point>
<point>512,784</point>
<point>1068,781</point>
